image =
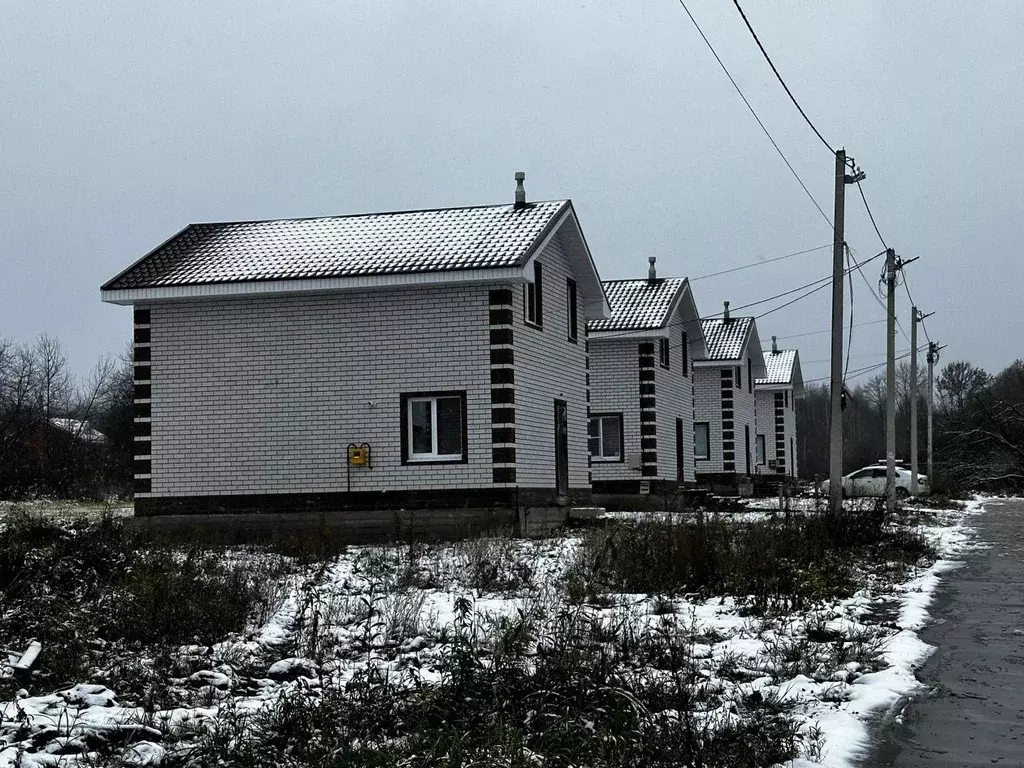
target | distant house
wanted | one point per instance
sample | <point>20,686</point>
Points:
<point>388,360</point>
<point>776,395</point>
<point>725,420</point>
<point>641,386</point>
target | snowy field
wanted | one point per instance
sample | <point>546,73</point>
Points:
<point>395,614</point>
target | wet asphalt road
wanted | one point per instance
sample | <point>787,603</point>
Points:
<point>975,714</point>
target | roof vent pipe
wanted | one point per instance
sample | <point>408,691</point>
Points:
<point>520,190</point>
<point>775,346</point>
<point>652,273</point>
<point>725,314</point>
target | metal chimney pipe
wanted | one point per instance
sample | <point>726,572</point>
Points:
<point>725,314</point>
<point>520,190</point>
<point>652,274</point>
<point>775,346</point>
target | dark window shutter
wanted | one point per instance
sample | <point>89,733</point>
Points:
<point>538,291</point>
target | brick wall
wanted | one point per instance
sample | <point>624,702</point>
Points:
<point>263,395</point>
<point>615,388</point>
<point>675,401</point>
<point>710,391</point>
<point>550,367</point>
<point>771,408</point>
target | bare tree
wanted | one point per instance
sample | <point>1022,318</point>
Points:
<point>958,382</point>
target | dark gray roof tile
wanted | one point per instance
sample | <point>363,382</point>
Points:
<point>345,246</point>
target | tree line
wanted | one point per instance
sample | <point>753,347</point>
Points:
<point>61,435</point>
<point>978,426</point>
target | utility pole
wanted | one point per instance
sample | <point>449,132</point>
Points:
<point>933,357</point>
<point>890,382</point>
<point>835,484</point>
<point>916,317</point>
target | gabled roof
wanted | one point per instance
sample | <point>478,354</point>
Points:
<point>639,305</point>
<point>365,250</point>
<point>725,338</point>
<point>782,369</point>
<point>345,246</point>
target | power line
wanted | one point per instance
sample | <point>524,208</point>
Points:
<point>826,330</point>
<point>878,300</point>
<point>870,215</point>
<point>758,119</point>
<point>821,282</point>
<point>760,263</point>
<point>869,368</point>
<point>783,82</point>
<point>794,301</point>
<point>849,339</point>
<point>872,355</point>
<point>913,303</point>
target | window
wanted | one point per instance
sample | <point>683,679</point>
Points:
<point>605,437</point>
<point>533,297</point>
<point>759,449</point>
<point>750,375</point>
<point>787,398</point>
<point>663,352</point>
<point>686,355</point>
<point>701,440</point>
<point>434,427</point>
<point>739,377</point>
<point>570,306</point>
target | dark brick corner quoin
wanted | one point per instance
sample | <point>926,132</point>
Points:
<point>648,412</point>
<point>503,388</point>
<point>355,503</point>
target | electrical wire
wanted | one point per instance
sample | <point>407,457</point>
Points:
<point>758,119</point>
<point>825,330</point>
<point>783,82</point>
<point>821,282</point>
<point>913,303</point>
<point>871,216</point>
<point>759,263</point>
<point>867,369</point>
<point>849,339</point>
<point>793,301</point>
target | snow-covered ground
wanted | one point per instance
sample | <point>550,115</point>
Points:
<point>843,664</point>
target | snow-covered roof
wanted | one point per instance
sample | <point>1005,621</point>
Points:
<point>80,429</point>
<point>782,370</point>
<point>639,305</point>
<point>779,366</point>
<point>344,246</point>
<point>725,338</point>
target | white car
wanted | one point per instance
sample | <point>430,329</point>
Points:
<point>870,481</point>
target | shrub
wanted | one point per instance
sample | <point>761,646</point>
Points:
<point>84,589</point>
<point>778,565</point>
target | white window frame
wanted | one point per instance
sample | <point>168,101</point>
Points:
<point>533,298</point>
<point>599,418</point>
<point>707,430</point>
<point>413,457</point>
<point>760,450</point>
<point>663,353</point>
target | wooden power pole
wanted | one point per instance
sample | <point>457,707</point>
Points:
<point>835,477</point>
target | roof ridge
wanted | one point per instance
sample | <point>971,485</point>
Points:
<point>529,205</point>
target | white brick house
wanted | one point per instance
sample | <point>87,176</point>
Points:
<point>776,394</point>
<point>409,359</point>
<point>725,426</point>
<point>641,386</point>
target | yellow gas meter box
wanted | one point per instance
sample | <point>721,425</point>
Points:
<point>357,456</point>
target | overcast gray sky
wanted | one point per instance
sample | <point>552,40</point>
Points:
<point>123,121</point>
